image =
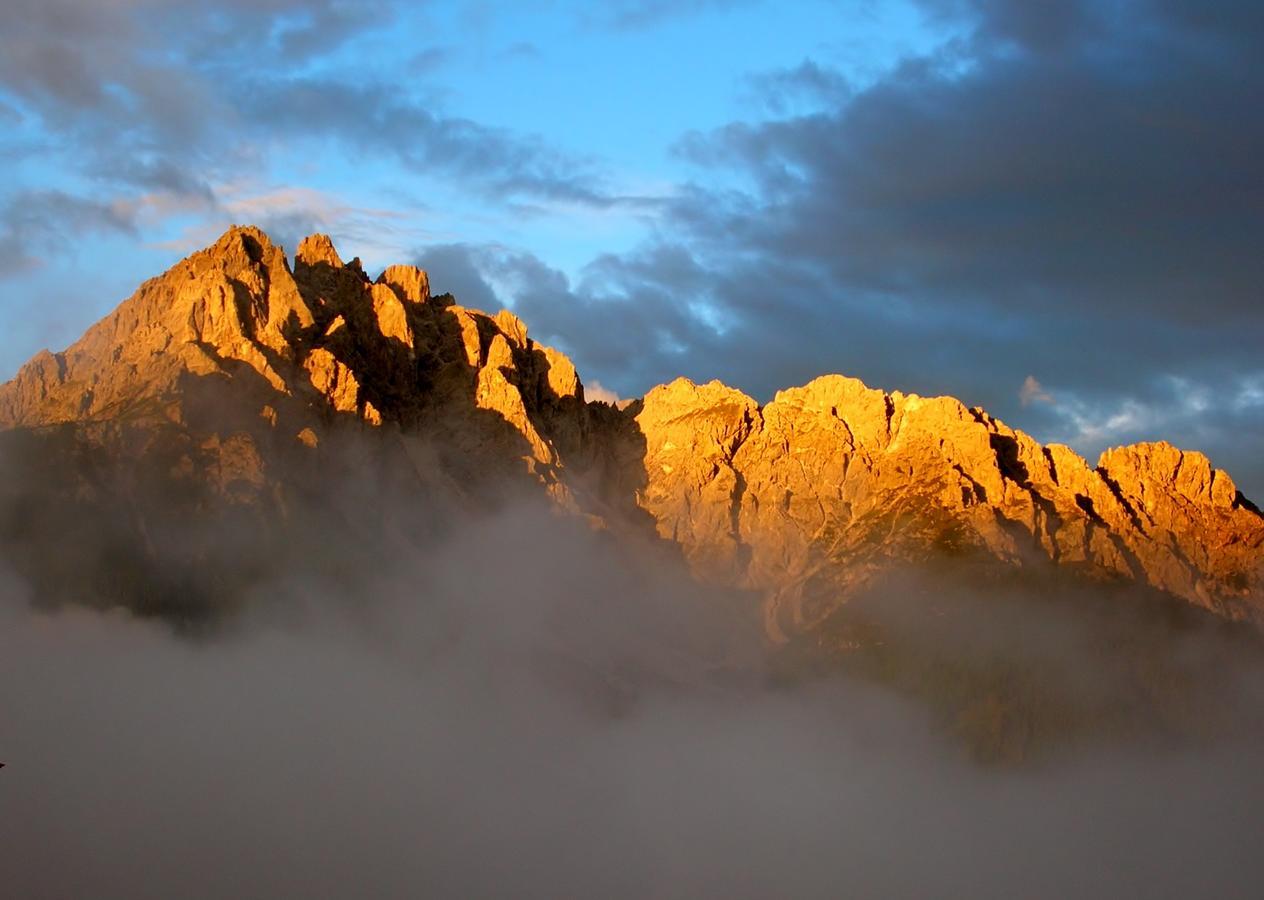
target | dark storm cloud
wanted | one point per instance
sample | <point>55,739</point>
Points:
<point>1074,191</point>
<point>455,269</point>
<point>629,314</point>
<point>1122,184</point>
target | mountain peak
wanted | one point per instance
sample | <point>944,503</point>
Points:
<point>1186,473</point>
<point>315,249</point>
<point>239,249</point>
<point>409,282</point>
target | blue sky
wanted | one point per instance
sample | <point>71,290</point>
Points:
<point>1052,210</point>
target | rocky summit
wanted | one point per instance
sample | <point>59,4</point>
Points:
<point>239,410</point>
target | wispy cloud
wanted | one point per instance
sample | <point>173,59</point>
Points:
<point>1033,391</point>
<point>33,223</point>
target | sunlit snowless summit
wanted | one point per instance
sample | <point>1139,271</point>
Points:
<point>324,415</point>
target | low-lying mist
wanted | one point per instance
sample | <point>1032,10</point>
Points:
<point>527,708</point>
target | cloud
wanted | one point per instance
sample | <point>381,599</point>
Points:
<point>638,14</point>
<point>288,213</point>
<point>810,83</point>
<point>454,269</point>
<point>83,67</point>
<point>1221,418</point>
<point>33,223</point>
<point>1071,188</point>
<point>119,119</point>
<point>146,118</point>
<point>594,390</point>
<point>380,119</point>
<point>1033,392</point>
<point>233,81</point>
<point>628,320</point>
<point>561,723</point>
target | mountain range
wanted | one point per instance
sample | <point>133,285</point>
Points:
<point>244,427</point>
<point>236,387</point>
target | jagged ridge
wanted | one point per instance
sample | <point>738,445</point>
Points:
<point>813,494</point>
<point>242,371</point>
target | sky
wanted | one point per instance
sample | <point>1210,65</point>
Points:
<point>1053,210</point>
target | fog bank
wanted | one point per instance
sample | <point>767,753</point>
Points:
<point>526,711</point>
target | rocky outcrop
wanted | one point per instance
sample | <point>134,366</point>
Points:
<point>254,393</point>
<point>830,484</point>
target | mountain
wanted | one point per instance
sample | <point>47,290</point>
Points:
<point>237,414</point>
<point>243,431</point>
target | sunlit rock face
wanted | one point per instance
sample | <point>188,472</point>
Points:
<point>814,494</point>
<point>313,407</point>
<point>322,345</point>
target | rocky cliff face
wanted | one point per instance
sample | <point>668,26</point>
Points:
<point>814,494</point>
<point>234,389</point>
<point>322,341</point>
